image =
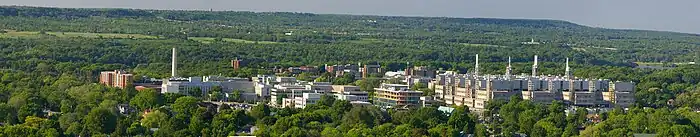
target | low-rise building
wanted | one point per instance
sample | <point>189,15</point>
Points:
<point>420,71</point>
<point>368,70</point>
<point>306,99</point>
<point>353,96</point>
<point>287,102</point>
<point>427,101</point>
<point>323,87</point>
<point>279,92</point>
<point>285,80</point>
<point>396,95</point>
<point>411,80</point>
<point>262,90</point>
<point>360,103</point>
<point>205,84</point>
<point>349,93</point>
<point>340,70</point>
<point>620,94</point>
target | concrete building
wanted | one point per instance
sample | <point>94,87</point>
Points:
<point>323,87</point>
<point>427,101</point>
<point>340,70</point>
<point>294,90</point>
<point>420,71</point>
<point>302,69</point>
<point>285,80</point>
<point>262,90</point>
<point>345,88</point>
<point>264,79</point>
<point>206,83</point>
<point>475,91</point>
<point>287,102</point>
<point>368,70</point>
<point>394,74</point>
<point>263,85</point>
<point>412,80</point>
<point>396,96</point>
<point>306,99</point>
<point>350,93</point>
<point>360,103</point>
<point>620,94</point>
<point>286,91</point>
<point>116,78</point>
<point>353,96</point>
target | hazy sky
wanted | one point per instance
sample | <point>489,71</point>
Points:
<point>667,15</point>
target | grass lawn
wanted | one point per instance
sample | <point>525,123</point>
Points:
<point>366,41</point>
<point>18,34</point>
<point>208,40</point>
<point>98,35</point>
<point>482,45</point>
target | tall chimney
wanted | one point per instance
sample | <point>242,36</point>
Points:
<point>568,70</point>
<point>534,67</point>
<point>174,63</point>
<point>509,69</point>
<point>476,66</point>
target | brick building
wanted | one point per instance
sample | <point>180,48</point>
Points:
<point>236,64</point>
<point>116,78</point>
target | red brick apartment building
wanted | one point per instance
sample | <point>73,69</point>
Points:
<point>116,78</point>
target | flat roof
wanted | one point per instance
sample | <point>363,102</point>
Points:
<point>398,91</point>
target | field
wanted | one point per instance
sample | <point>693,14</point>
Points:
<point>20,34</point>
<point>481,45</point>
<point>208,40</point>
<point>15,34</point>
<point>100,35</point>
<point>367,41</point>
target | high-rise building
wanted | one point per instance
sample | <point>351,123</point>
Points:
<point>116,78</point>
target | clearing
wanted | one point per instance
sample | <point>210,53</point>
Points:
<point>208,40</point>
<point>481,45</point>
<point>18,34</point>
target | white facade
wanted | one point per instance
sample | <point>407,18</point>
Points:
<point>476,91</point>
<point>353,96</point>
<point>285,91</point>
<point>286,80</point>
<point>182,85</point>
<point>262,90</point>
<point>306,99</point>
<point>287,102</point>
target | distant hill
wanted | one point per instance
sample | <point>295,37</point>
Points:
<point>439,34</point>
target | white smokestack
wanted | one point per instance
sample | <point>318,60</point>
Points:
<point>509,69</point>
<point>568,70</point>
<point>174,63</point>
<point>534,67</point>
<point>476,66</point>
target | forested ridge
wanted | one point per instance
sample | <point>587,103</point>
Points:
<point>50,58</point>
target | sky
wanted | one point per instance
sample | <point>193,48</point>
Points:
<point>662,15</point>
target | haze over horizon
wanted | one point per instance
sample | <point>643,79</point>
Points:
<point>676,16</point>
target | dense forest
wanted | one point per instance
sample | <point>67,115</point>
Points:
<point>50,57</point>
